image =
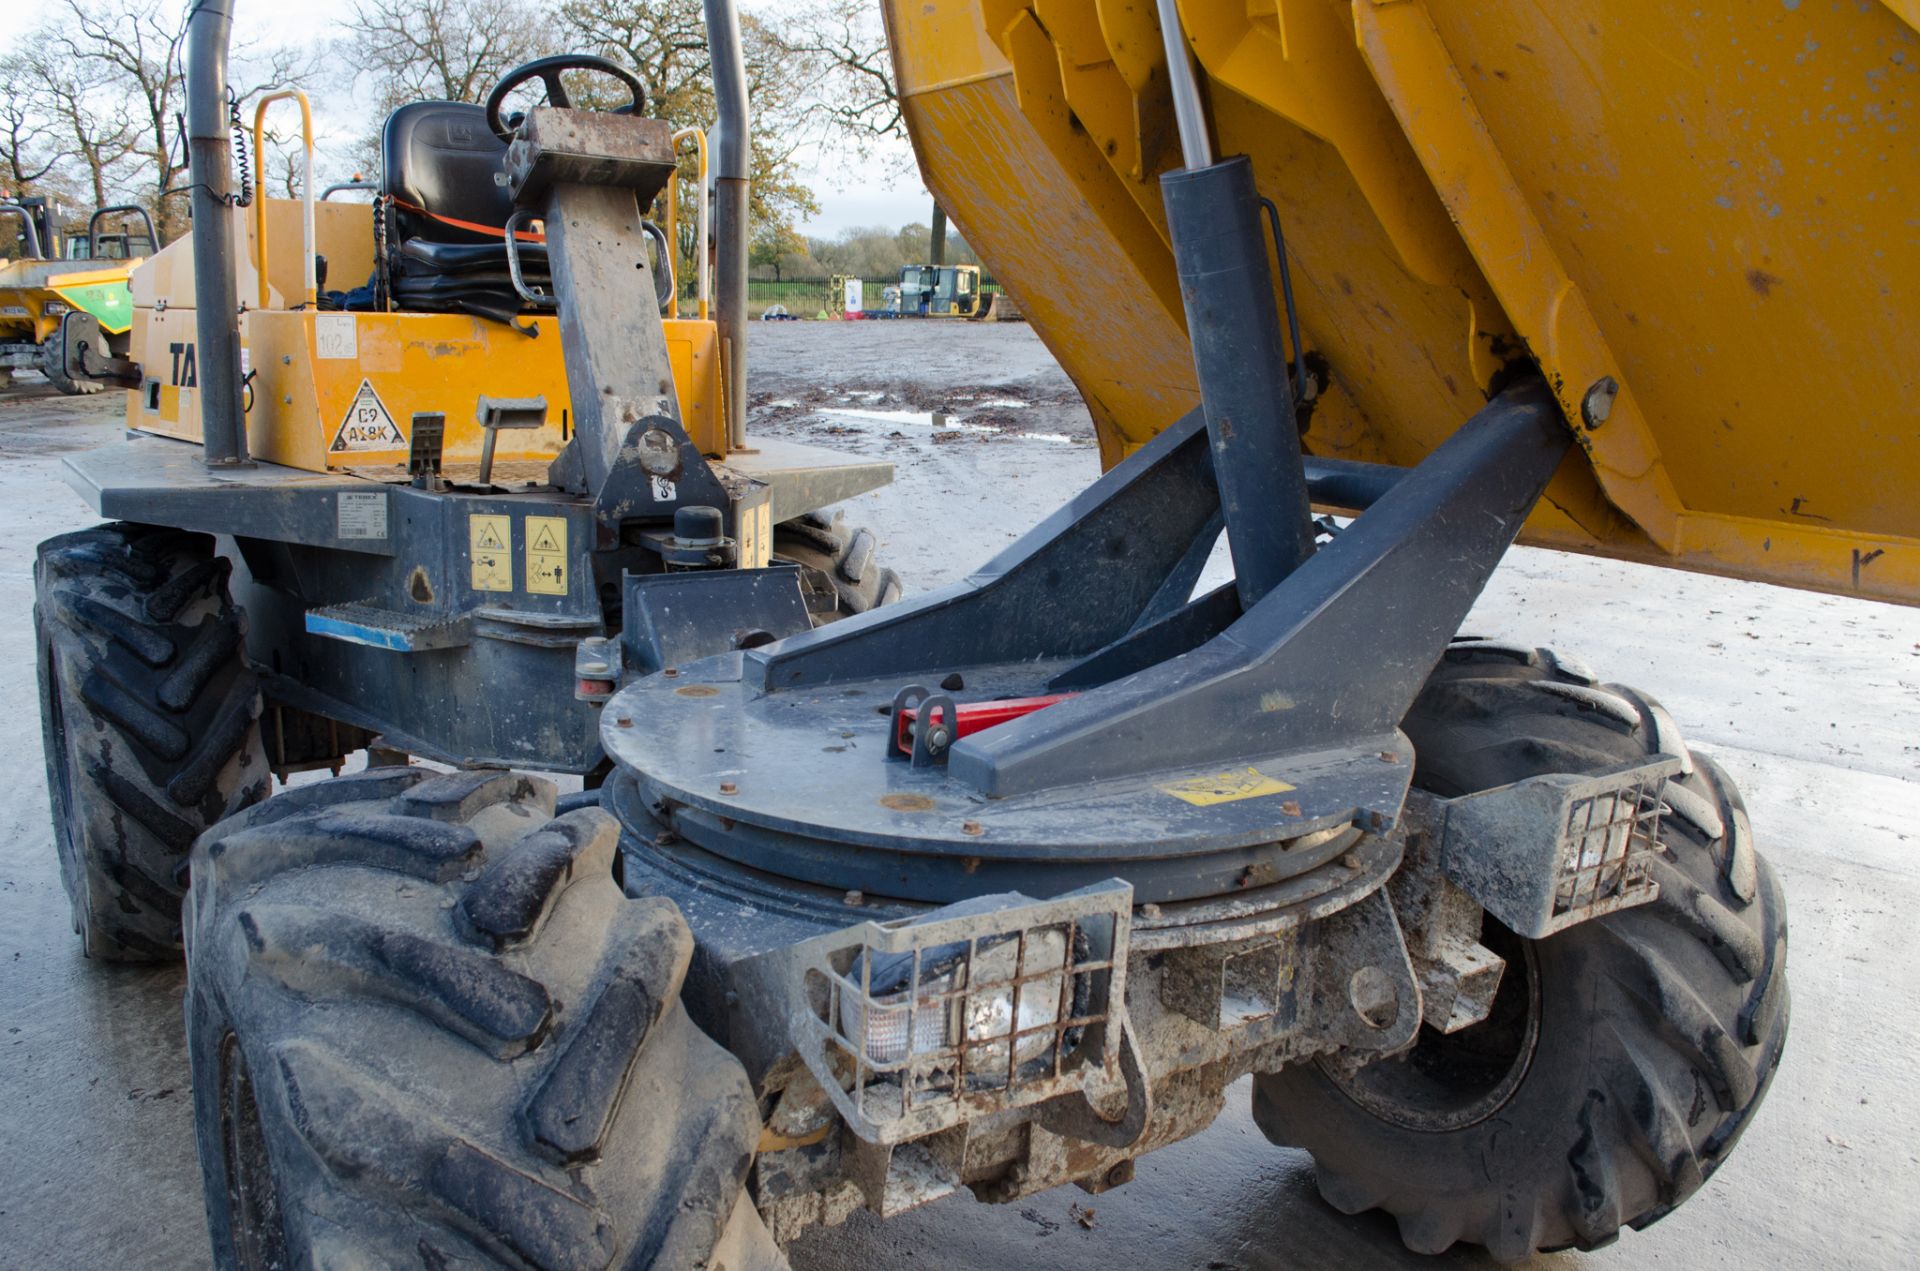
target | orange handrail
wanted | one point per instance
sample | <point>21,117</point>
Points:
<point>306,190</point>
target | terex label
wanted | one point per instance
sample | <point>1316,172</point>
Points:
<point>367,425</point>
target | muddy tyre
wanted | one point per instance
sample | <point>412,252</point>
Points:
<point>149,719</point>
<point>428,1029</point>
<point>54,368</point>
<point>840,572</point>
<point>1623,1057</point>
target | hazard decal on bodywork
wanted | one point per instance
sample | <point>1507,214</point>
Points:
<point>367,425</point>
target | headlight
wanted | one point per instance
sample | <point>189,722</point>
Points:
<point>963,1009</point>
<point>915,1025</point>
<point>56,309</point>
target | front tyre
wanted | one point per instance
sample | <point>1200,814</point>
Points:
<point>428,1030</point>
<point>840,571</point>
<point>1623,1057</point>
<point>149,716</point>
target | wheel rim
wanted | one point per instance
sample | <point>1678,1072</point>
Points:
<point>253,1204</point>
<point>1452,1081</point>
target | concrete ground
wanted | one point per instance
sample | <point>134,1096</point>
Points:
<point>1813,703</point>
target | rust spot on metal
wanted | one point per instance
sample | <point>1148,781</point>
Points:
<point>972,827</point>
<point>728,787</point>
<point>906,802</point>
<point>697,690</point>
<point>1763,282</point>
<point>1290,807</point>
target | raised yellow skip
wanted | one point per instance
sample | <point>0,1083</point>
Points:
<point>1711,206</point>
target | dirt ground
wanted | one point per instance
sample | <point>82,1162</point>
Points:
<point>1812,703</point>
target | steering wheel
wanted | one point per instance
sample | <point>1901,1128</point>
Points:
<point>547,71</point>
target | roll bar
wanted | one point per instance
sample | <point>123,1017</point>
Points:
<point>123,210</point>
<point>33,231</point>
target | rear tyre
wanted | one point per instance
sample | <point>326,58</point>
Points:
<point>53,366</point>
<point>1623,1057</point>
<point>840,572</point>
<point>427,1029</point>
<point>149,718</point>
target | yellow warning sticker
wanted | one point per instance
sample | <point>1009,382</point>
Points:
<point>547,555</point>
<point>490,544</point>
<point>1225,787</point>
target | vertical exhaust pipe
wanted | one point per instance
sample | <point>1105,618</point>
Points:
<point>216,298</point>
<point>732,172</point>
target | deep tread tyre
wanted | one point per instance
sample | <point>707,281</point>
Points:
<point>55,370</point>
<point>841,575</point>
<point>1658,1028</point>
<point>427,1029</point>
<point>150,723</point>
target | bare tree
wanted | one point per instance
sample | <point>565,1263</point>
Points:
<point>93,119</point>
<point>30,145</point>
<point>445,50</point>
<point>665,42</point>
<point>852,83</point>
<point>135,50</point>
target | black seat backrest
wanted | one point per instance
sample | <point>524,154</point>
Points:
<point>441,159</point>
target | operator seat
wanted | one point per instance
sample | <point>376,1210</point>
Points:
<point>442,167</point>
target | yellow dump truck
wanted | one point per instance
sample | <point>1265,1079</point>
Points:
<point>57,274</point>
<point>1004,885</point>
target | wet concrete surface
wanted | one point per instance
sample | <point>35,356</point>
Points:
<point>1812,703</point>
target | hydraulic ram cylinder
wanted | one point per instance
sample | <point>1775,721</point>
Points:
<point>1213,213</point>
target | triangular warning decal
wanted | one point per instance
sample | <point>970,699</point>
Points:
<point>543,540</point>
<point>489,539</point>
<point>367,425</point>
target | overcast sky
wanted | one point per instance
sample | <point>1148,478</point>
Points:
<point>883,190</point>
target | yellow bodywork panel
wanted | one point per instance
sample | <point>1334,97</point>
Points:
<point>1712,208</point>
<point>339,390</point>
